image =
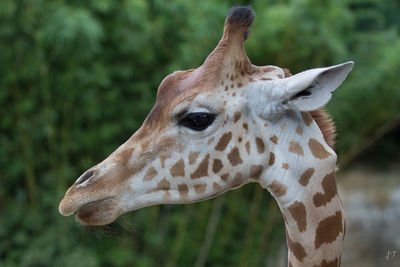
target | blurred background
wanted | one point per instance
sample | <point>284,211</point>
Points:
<point>77,78</point>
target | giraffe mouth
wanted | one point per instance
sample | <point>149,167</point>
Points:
<point>100,212</point>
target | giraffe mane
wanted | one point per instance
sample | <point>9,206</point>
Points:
<point>326,125</point>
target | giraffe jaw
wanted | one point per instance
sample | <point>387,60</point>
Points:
<point>100,212</point>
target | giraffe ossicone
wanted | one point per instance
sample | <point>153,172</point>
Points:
<point>220,126</point>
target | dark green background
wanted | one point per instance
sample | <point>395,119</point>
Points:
<point>77,78</point>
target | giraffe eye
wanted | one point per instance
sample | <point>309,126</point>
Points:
<point>197,121</point>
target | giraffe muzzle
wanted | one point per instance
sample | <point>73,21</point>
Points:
<point>92,193</point>
<point>90,206</point>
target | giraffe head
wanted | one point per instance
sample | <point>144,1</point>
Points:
<point>206,133</point>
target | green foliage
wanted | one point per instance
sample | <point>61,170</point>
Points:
<point>77,78</point>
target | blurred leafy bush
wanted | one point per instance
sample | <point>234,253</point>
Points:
<point>77,78</point>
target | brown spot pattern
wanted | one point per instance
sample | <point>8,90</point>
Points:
<point>217,165</point>
<point>256,171</point>
<point>277,189</point>
<point>298,212</point>
<point>234,157</point>
<point>224,177</point>
<point>237,180</point>
<point>296,248</point>
<point>245,126</point>
<point>248,147</point>
<point>330,190</point>
<point>295,148</point>
<point>260,145</point>
<point>150,174</point>
<point>126,173</point>
<point>237,116</point>
<point>328,229</point>
<point>285,166</point>
<point>163,158</point>
<point>268,69</point>
<point>202,170</point>
<point>223,141</point>
<point>145,144</point>
<point>305,176</point>
<point>162,185</point>
<point>306,118</point>
<point>317,149</point>
<point>193,156</point>
<point>299,130</point>
<point>178,169</point>
<point>200,188</point>
<point>271,159</point>
<point>324,263</point>
<point>274,139</point>
<point>216,187</point>
<point>124,156</point>
<point>183,190</point>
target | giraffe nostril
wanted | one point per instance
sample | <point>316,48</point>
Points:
<point>84,177</point>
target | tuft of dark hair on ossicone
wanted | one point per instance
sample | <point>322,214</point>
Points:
<point>240,17</point>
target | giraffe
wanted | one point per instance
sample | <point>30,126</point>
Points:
<point>221,126</point>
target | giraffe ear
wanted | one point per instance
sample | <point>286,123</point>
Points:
<point>312,89</point>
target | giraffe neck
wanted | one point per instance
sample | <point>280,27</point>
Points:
<point>317,239</point>
<point>301,177</point>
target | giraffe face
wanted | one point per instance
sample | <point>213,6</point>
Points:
<point>205,134</point>
<point>203,148</point>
